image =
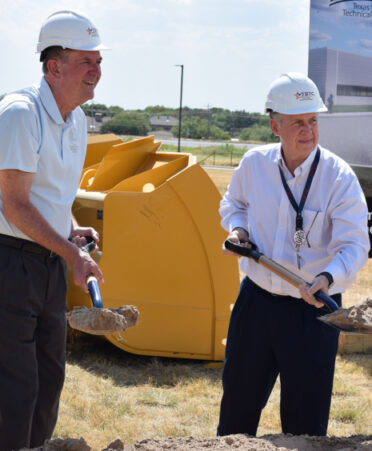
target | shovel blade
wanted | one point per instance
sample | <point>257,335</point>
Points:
<point>354,320</point>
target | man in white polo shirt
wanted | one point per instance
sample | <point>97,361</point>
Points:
<point>43,145</point>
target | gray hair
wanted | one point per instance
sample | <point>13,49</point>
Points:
<point>275,115</point>
<point>53,52</point>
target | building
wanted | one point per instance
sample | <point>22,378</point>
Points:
<point>95,122</point>
<point>345,75</point>
<point>163,122</point>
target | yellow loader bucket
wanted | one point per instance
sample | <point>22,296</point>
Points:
<point>157,215</point>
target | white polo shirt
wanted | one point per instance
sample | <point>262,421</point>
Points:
<point>34,138</point>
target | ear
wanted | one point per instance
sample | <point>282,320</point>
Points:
<point>274,125</point>
<point>54,67</point>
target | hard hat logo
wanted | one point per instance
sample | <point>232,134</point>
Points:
<point>93,32</point>
<point>304,96</point>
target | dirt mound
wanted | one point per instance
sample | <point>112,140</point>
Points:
<point>357,318</point>
<point>265,443</point>
<point>103,321</point>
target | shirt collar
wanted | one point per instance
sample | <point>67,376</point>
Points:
<point>303,166</point>
<point>49,102</point>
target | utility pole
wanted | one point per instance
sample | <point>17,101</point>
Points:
<point>180,111</point>
<point>209,122</point>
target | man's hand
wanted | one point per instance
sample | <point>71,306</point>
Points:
<point>318,283</point>
<point>238,236</point>
<point>78,235</point>
<point>82,266</point>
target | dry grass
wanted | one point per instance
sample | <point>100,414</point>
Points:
<point>109,394</point>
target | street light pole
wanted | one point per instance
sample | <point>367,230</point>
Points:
<point>180,110</point>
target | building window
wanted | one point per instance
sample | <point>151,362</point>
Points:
<point>355,91</point>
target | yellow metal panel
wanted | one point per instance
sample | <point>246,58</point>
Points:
<point>157,259</point>
<point>161,250</point>
<point>153,177</point>
<point>98,146</point>
<point>122,161</point>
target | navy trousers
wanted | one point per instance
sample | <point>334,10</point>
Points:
<point>32,346</point>
<point>277,335</point>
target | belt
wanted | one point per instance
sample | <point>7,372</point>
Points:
<point>26,246</point>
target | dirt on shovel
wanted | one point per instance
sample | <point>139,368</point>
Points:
<point>103,321</point>
<point>356,319</point>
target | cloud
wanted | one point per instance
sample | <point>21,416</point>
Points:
<point>365,44</point>
<point>318,36</point>
<point>319,5</point>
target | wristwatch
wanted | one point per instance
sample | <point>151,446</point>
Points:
<point>329,277</point>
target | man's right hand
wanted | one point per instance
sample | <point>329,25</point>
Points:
<point>82,266</point>
<point>238,236</point>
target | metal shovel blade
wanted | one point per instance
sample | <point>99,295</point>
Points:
<point>353,320</point>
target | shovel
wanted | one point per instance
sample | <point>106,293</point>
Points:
<point>101,321</point>
<point>294,279</point>
<point>93,287</point>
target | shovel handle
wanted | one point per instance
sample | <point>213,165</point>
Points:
<point>94,291</point>
<point>279,270</point>
<point>90,246</point>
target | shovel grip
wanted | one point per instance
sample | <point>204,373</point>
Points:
<point>90,246</point>
<point>94,291</point>
<point>280,271</point>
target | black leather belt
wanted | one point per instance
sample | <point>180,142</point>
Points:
<point>26,246</point>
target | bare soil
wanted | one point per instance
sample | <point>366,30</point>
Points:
<point>103,321</point>
<point>242,442</point>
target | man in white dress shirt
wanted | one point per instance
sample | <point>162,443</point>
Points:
<point>43,144</point>
<point>302,206</point>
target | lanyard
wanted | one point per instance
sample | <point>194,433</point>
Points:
<point>299,236</point>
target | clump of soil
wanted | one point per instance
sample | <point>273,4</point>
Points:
<point>280,442</point>
<point>103,321</point>
<point>357,318</point>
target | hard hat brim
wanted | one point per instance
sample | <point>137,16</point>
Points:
<point>322,109</point>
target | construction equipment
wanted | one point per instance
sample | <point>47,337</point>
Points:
<point>157,216</point>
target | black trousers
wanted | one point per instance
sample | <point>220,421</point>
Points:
<point>32,346</point>
<point>270,335</point>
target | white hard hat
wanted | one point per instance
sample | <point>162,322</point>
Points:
<point>70,30</point>
<point>294,93</point>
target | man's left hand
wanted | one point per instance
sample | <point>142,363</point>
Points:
<point>318,283</point>
<point>78,235</point>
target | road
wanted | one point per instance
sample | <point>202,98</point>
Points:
<point>191,143</point>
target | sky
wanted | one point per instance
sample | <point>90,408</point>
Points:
<point>231,50</point>
<point>344,25</point>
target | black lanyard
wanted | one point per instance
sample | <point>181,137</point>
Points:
<point>298,208</point>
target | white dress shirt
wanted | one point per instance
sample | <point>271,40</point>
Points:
<point>34,138</point>
<point>334,218</point>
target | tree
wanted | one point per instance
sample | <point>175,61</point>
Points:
<point>196,128</point>
<point>258,132</point>
<point>114,110</point>
<point>128,123</point>
<point>159,110</point>
<point>93,108</point>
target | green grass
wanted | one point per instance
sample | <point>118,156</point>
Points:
<point>224,155</point>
